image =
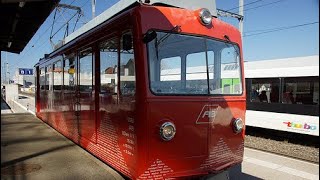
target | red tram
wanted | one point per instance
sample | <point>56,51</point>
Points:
<point>154,90</point>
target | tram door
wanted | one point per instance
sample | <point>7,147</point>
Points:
<point>85,101</point>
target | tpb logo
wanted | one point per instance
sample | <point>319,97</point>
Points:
<point>207,114</point>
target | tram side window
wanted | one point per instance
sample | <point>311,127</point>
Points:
<point>57,75</point>
<point>85,68</point>
<point>42,79</point>
<point>265,90</point>
<point>69,73</point>
<point>108,66</point>
<point>127,66</point>
<point>48,77</point>
<point>301,91</point>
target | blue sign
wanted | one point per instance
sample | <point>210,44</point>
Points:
<point>23,71</point>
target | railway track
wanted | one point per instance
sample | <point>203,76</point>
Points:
<point>298,146</point>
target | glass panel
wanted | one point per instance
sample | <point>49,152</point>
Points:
<point>57,76</point>
<point>265,90</point>
<point>127,67</point>
<point>167,63</point>
<point>301,91</point>
<point>224,72</point>
<point>42,79</point>
<point>170,76</point>
<point>48,78</point>
<point>196,77</point>
<point>69,73</point>
<point>170,69</point>
<point>181,64</point>
<point>108,66</point>
<point>85,68</point>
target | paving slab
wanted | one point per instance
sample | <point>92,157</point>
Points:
<point>30,149</point>
<point>270,166</point>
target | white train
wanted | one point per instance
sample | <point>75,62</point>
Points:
<point>283,94</point>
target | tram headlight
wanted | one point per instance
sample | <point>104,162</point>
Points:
<point>167,131</point>
<point>237,125</point>
<point>205,16</point>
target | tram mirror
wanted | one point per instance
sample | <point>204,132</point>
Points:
<point>127,42</point>
<point>149,36</point>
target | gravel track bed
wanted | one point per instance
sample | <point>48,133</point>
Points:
<point>297,151</point>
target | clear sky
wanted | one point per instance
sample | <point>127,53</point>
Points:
<point>272,29</point>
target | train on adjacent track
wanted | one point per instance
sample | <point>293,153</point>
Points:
<point>283,95</point>
<point>145,87</point>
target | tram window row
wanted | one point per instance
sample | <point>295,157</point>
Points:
<point>62,75</point>
<point>296,95</point>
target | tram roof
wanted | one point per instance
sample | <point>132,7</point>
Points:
<point>287,67</point>
<point>125,4</point>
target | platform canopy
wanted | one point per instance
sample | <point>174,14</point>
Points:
<point>20,20</point>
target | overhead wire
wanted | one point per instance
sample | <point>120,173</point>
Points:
<point>68,21</point>
<point>43,33</point>
<point>244,10</point>
<point>256,7</point>
<point>244,5</point>
<point>30,48</point>
<point>50,26</point>
<point>275,2</point>
<point>276,29</point>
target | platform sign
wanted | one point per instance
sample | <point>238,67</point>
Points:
<point>23,71</point>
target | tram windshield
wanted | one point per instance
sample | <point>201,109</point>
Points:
<point>189,65</point>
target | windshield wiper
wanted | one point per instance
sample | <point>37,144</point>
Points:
<point>228,45</point>
<point>176,28</point>
<point>163,38</point>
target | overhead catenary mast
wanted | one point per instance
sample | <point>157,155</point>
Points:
<point>241,19</point>
<point>93,4</point>
<point>7,70</point>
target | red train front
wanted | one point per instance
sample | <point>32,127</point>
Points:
<point>156,92</point>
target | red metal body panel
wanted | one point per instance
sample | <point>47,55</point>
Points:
<point>124,131</point>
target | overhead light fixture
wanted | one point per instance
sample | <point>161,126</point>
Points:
<point>9,44</point>
<point>21,4</point>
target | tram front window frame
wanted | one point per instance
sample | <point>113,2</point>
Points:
<point>216,67</point>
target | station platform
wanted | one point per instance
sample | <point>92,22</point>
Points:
<point>30,149</point>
